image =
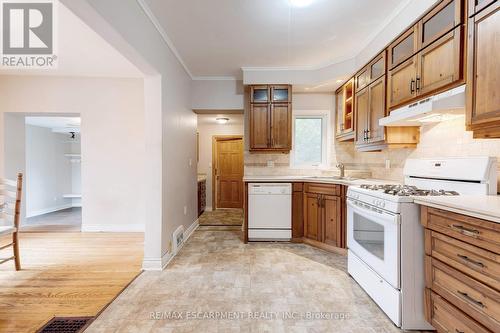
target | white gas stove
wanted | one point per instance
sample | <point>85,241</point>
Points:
<point>385,238</point>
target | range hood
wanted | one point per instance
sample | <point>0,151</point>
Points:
<point>444,106</point>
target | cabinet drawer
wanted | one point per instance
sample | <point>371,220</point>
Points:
<point>328,189</point>
<point>480,264</point>
<point>447,318</point>
<point>474,298</point>
<point>472,230</point>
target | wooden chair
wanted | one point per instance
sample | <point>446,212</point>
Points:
<point>10,214</point>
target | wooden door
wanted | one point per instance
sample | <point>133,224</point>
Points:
<point>312,216</point>
<point>377,110</point>
<point>439,21</point>
<point>229,172</point>
<point>281,94</point>
<point>281,120</point>
<point>362,109</point>
<point>440,64</point>
<point>401,82</point>
<point>260,94</point>
<point>484,69</point>
<point>260,135</point>
<point>475,6</point>
<point>331,216</point>
<point>404,47</point>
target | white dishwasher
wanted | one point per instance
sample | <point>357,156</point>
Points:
<point>269,211</point>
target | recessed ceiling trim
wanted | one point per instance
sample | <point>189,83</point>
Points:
<point>156,23</point>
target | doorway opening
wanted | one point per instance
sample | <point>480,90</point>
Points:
<point>53,174</point>
<point>220,169</point>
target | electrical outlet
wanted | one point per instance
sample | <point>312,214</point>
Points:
<point>190,162</point>
<point>387,164</point>
<point>185,210</point>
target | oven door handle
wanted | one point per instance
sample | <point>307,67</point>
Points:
<point>368,210</point>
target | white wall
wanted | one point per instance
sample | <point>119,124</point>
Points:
<point>170,124</point>
<point>217,95</point>
<point>48,171</point>
<point>113,144</point>
<point>207,129</point>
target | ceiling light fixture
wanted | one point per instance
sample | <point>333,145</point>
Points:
<point>222,120</point>
<point>300,3</point>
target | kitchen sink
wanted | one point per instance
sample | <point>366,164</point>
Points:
<point>330,178</point>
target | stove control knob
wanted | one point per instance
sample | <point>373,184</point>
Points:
<point>382,204</point>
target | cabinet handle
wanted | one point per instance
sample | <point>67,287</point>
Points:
<point>465,231</point>
<point>470,299</point>
<point>418,83</point>
<point>474,262</point>
<point>412,86</point>
<point>367,135</point>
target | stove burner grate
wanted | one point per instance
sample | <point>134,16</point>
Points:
<point>407,190</point>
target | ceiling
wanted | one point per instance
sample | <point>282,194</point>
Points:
<point>217,38</point>
<point>82,52</point>
<point>58,124</point>
<point>210,119</point>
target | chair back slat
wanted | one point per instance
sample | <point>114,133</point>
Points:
<point>8,182</point>
<point>15,194</point>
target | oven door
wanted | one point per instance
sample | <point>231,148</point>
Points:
<point>373,235</point>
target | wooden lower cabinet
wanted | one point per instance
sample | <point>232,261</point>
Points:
<point>461,272</point>
<point>331,226</point>
<point>297,212</point>
<point>323,215</point>
<point>312,216</point>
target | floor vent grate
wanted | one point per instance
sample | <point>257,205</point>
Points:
<point>66,325</point>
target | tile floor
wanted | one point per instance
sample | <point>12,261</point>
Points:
<point>265,287</point>
<point>222,217</point>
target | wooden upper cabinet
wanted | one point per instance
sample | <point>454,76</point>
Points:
<point>483,107</point>
<point>281,94</point>
<point>270,118</point>
<point>439,21</point>
<point>260,94</point>
<point>401,83</point>
<point>281,118</point>
<point>376,90</point>
<point>260,129</point>
<point>345,111</point>
<point>403,47</point>
<point>374,70</point>
<point>441,63</point>
<point>362,111</point>
<point>331,215</point>
<point>362,78</point>
<point>339,101</point>
<point>475,6</point>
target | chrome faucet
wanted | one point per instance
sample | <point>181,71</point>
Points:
<point>341,167</point>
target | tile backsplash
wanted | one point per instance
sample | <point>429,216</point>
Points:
<point>443,139</point>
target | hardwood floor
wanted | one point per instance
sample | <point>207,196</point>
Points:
<point>66,274</point>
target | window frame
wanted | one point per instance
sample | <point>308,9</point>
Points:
<point>325,135</point>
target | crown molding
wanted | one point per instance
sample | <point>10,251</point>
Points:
<point>215,78</point>
<point>156,23</point>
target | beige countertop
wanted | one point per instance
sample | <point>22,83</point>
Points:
<point>311,179</point>
<point>486,207</point>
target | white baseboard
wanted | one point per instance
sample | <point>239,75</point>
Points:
<point>47,210</point>
<point>113,228</point>
<point>159,264</point>
<point>208,209</point>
